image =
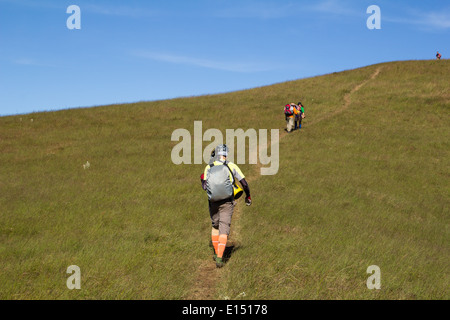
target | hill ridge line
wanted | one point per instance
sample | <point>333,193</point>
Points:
<point>208,274</point>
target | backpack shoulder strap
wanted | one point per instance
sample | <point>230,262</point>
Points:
<point>226,164</point>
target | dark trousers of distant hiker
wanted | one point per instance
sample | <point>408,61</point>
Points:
<point>298,122</point>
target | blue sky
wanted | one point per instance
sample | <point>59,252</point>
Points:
<point>128,51</point>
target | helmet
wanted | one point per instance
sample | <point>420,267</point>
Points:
<point>222,150</point>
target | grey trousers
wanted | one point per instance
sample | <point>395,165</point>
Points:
<point>289,124</point>
<point>221,213</point>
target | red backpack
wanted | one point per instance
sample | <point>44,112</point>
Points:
<point>288,110</point>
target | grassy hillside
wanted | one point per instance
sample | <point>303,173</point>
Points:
<point>365,182</point>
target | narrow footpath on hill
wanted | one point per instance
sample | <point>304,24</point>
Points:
<point>208,274</point>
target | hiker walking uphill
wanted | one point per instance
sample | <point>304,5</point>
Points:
<point>438,56</point>
<point>219,181</point>
<point>290,111</point>
<point>301,115</point>
<point>297,117</point>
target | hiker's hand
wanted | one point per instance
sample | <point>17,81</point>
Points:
<point>248,201</point>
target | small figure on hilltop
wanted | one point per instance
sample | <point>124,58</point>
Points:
<point>438,56</point>
<point>219,181</point>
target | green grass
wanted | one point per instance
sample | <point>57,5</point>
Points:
<point>365,186</point>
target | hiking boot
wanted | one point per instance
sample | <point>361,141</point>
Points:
<point>214,257</point>
<point>219,263</point>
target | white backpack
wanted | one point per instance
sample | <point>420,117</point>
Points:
<point>218,184</point>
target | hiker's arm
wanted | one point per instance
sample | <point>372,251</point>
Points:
<point>238,175</point>
<point>248,199</point>
<point>245,187</point>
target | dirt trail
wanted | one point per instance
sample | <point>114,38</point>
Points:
<point>347,99</point>
<point>208,274</point>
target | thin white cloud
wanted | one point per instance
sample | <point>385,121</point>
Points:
<point>33,4</point>
<point>428,20</point>
<point>123,11</point>
<point>338,8</point>
<point>30,62</point>
<point>258,10</point>
<point>440,20</point>
<point>245,67</point>
<point>24,61</point>
<point>275,10</point>
<point>106,9</point>
<point>332,7</point>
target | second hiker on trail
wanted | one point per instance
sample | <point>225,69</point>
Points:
<point>300,116</point>
<point>219,181</point>
<point>290,111</point>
